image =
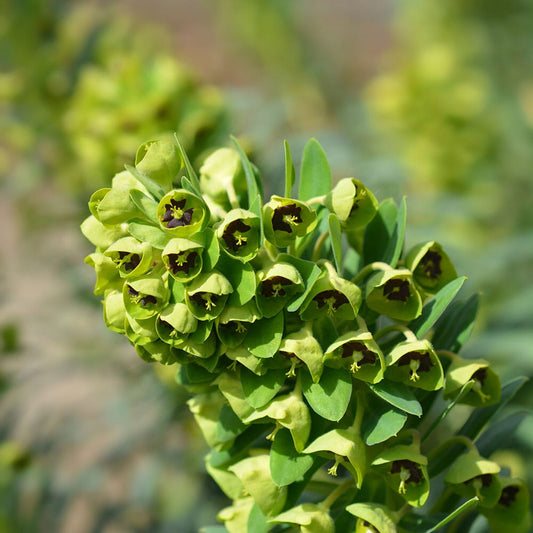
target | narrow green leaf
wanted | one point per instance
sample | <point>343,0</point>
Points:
<point>229,425</point>
<point>188,167</point>
<point>455,325</point>
<point>398,395</point>
<point>452,516</point>
<point>309,272</point>
<point>146,232</point>
<point>331,395</point>
<point>151,186</point>
<point>253,190</point>
<point>264,336</point>
<point>498,435</point>
<point>259,390</point>
<point>382,422</point>
<point>379,232</point>
<point>315,172</point>
<point>287,465</point>
<point>335,234</point>
<point>395,247</point>
<point>145,204</point>
<point>436,307</point>
<point>290,176</point>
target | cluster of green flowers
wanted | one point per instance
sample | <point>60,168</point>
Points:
<point>305,340</point>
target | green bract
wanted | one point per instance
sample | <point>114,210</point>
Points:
<point>286,219</point>
<point>308,340</point>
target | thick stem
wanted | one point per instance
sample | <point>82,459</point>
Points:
<point>318,245</point>
<point>339,491</point>
<point>368,269</point>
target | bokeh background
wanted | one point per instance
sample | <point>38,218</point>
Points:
<point>432,100</point>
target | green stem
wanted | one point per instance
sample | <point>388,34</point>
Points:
<point>452,516</point>
<point>360,411</point>
<point>361,323</point>
<point>408,334</point>
<point>447,353</point>
<point>457,439</point>
<point>232,196</point>
<point>368,269</point>
<point>341,489</point>
<point>318,245</point>
<point>316,200</point>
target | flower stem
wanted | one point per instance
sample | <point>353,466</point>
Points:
<point>368,269</point>
<point>408,334</point>
<point>318,245</point>
<point>339,491</point>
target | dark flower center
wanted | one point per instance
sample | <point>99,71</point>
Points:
<point>397,289</point>
<point>415,474</point>
<point>234,326</point>
<point>273,286</point>
<point>368,356</point>
<point>234,235</point>
<point>480,375</point>
<point>369,526</point>
<point>143,299</point>
<point>172,332</point>
<point>332,298</point>
<point>430,264</point>
<point>486,480</point>
<point>206,300</point>
<point>508,495</point>
<point>182,262</point>
<point>175,214</point>
<point>129,260</point>
<point>285,217</point>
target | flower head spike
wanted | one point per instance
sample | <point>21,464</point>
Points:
<point>431,267</point>
<point>359,353</point>
<point>238,234</point>
<point>331,296</point>
<point>183,259</point>
<point>285,219</point>
<point>160,160</point>
<point>131,257</point>
<point>472,475</point>
<point>393,294</point>
<point>353,203</point>
<point>511,512</point>
<point>145,297</point>
<point>277,286</point>
<point>416,364</point>
<point>181,213</point>
<point>486,388</point>
<point>206,295</point>
<point>404,469</point>
<point>221,171</point>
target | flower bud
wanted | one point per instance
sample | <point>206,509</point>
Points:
<point>115,312</point>
<point>431,267</point>
<point>393,294</point>
<point>359,353</point>
<point>160,160</point>
<point>285,219</point>
<point>353,203</point>
<point>416,364</point>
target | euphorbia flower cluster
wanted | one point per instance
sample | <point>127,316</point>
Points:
<point>313,351</point>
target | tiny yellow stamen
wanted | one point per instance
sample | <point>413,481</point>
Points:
<point>330,302</point>
<point>277,287</point>
<point>404,477</point>
<point>291,372</point>
<point>240,238</point>
<point>209,304</point>
<point>333,470</point>
<point>476,387</point>
<point>272,435</point>
<point>290,219</point>
<point>239,328</point>
<point>414,364</point>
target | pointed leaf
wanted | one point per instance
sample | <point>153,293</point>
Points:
<point>382,422</point>
<point>146,232</point>
<point>188,167</point>
<point>290,175</point>
<point>151,186</point>
<point>259,390</point>
<point>335,235</point>
<point>315,172</point>
<point>379,232</point>
<point>145,204</point>
<point>331,395</point>
<point>251,182</point>
<point>286,464</point>
<point>436,307</point>
<point>398,395</point>
<point>395,247</point>
<point>229,425</point>
<point>264,336</point>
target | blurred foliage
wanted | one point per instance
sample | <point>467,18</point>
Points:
<point>99,85</point>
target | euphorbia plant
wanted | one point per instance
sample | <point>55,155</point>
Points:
<point>321,363</point>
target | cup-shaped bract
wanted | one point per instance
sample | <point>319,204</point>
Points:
<point>160,160</point>
<point>156,351</point>
<point>141,331</point>
<point>353,203</point>
<point>331,296</point>
<point>114,205</point>
<point>372,518</point>
<point>175,323</point>
<point>222,171</point>
<point>358,352</point>
<point>404,470</point>
<point>115,311</point>
<point>207,294</point>
<point>183,259</point>
<point>416,364</point>
<point>235,517</point>
<point>392,293</point>
<point>144,297</point>
<point>131,257</point>
<point>101,235</point>
<point>286,219</point>
<point>431,267</point>
<point>311,518</point>
<point>511,512</point>
<point>232,323</point>
<point>302,348</point>
<point>239,234</point>
<point>277,285</point>
<point>486,387</point>
<point>472,475</point>
<point>182,213</point>
<point>107,276</point>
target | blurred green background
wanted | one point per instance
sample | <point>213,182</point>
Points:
<point>429,100</point>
